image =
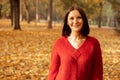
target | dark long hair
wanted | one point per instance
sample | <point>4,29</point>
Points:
<point>85,28</point>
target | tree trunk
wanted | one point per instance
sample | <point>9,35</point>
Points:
<point>118,18</point>
<point>50,14</point>
<point>21,10</point>
<point>99,21</point>
<point>15,13</point>
<point>100,16</point>
<point>36,13</point>
<point>0,11</point>
<point>11,11</point>
<point>27,6</point>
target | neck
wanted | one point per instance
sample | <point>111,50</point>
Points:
<point>75,36</point>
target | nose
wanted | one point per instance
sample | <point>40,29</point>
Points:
<point>75,20</point>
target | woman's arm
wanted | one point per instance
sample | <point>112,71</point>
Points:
<point>54,65</point>
<point>97,65</point>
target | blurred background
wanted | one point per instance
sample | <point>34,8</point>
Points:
<point>28,29</point>
<point>99,12</point>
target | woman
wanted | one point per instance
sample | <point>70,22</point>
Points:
<point>75,55</point>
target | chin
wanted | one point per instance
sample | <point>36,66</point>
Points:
<point>77,29</point>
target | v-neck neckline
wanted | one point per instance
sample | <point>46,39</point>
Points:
<point>70,45</point>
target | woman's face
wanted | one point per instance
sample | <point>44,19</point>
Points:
<point>75,20</point>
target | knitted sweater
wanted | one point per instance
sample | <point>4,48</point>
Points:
<point>68,63</point>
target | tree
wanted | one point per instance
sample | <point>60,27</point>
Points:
<point>21,10</point>
<point>1,5</point>
<point>15,13</point>
<point>0,10</point>
<point>50,14</point>
<point>11,11</point>
<point>27,6</point>
<point>36,12</point>
<point>116,8</point>
<point>100,16</point>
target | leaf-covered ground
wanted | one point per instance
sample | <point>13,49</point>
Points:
<point>25,54</point>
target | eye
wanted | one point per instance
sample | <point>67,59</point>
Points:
<point>79,17</point>
<point>71,18</point>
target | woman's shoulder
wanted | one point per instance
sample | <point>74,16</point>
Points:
<point>60,40</point>
<point>93,39</point>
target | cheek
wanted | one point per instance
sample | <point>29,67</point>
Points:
<point>81,21</point>
<point>69,24</point>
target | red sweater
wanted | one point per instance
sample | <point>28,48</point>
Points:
<point>68,63</point>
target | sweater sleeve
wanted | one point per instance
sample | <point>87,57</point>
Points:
<point>97,63</point>
<point>54,64</point>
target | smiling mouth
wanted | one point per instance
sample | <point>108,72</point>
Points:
<point>76,25</point>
